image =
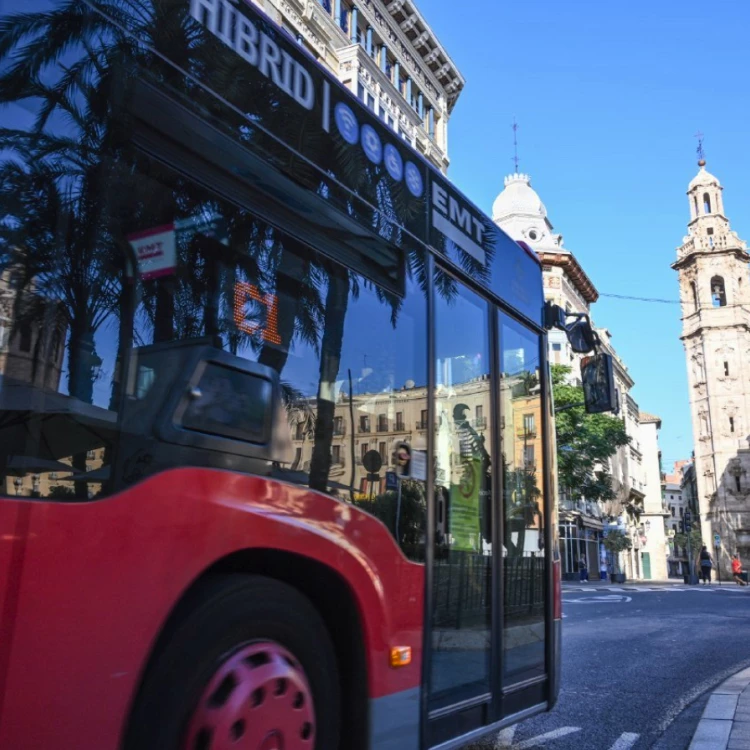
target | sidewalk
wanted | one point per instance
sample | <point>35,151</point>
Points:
<point>725,724</point>
<point>639,582</point>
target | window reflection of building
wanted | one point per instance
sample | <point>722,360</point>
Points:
<point>370,409</point>
<point>32,351</point>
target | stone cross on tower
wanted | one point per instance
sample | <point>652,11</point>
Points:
<point>712,265</point>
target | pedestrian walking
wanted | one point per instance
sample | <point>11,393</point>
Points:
<point>603,570</point>
<point>706,564</point>
<point>584,570</point>
<point>737,570</point>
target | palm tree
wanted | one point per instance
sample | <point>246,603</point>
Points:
<point>84,180</point>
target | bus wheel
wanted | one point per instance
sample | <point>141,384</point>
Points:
<point>251,667</point>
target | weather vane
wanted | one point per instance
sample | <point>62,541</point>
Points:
<point>699,150</point>
<point>515,145</point>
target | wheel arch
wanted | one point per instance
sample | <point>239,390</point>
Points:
<point>329,593</point>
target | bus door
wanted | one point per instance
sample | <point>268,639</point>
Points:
<point>485,645</point>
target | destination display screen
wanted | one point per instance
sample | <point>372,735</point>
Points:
<point>308,125</point>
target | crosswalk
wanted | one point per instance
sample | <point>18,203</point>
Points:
<point>728,588</point>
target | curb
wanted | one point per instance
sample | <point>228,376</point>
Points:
<point>725,723</point>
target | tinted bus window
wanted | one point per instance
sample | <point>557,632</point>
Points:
<point>176,278</point>
<point>523,501</point>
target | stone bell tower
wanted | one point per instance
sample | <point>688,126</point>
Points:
<point>712,265</point>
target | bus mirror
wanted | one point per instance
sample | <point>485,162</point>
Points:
<point>599,392</point>
<point>581,336</point>
<point>554,317</point>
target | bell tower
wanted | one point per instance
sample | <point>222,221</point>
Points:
<point>712,266</point>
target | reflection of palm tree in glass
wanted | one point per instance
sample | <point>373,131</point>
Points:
<point>82,182</point>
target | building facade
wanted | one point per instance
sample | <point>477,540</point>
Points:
<point>386,54</point>
<point>712,268</point>
<point>520,212</point>
<point>655,547</point>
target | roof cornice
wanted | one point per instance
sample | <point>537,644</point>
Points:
<point>567,261</point>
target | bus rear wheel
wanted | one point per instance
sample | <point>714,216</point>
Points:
<point>251,667</point>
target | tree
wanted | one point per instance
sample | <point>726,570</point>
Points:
<point>696,542</point>
<point>616,542</point>
<point>585,442</point>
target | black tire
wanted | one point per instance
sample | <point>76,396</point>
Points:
<point>224,613</point>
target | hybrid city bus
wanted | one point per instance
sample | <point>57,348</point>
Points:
<point>276,432</point>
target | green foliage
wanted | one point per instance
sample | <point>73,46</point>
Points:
<point>616,542</point>
<point>584,442</point>
<point>60,491</point>
<point>696,542</point>
<point>412,519</point>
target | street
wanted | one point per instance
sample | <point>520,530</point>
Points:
<point>637,666</point>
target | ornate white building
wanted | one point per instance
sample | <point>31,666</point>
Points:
<point>712,264</point>
<point>638,508</point>
<point>385,53</point>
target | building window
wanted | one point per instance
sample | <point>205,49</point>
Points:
<point>671,507</point>
<point>399,421</point>
<point>371,101</point>
<point>731,424</point>
<point>726,369</point>
<point>718,294</point>
<point>364,424</point>
<point>695,204</point>
<point>695,295</point>
<point>681,509</point>
<point>364,449</point>
<point>338,426</point>
<point>336,454</point>
<point>529,424</point>
<point>382,423</point>
<point>706,203</point>
<point>423,422</point>
<point>737,484</point>
<point>383,454</point>
<point>528,456</point>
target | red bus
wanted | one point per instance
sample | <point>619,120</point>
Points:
<point>276,442</point>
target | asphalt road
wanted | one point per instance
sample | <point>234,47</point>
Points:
<point>637,667</point>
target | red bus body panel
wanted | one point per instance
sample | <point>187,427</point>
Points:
<point>88,586</point>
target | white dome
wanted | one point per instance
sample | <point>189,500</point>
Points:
<point>518,197</point>
<point>703,178</point>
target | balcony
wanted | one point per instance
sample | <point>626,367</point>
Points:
<point>480,423</point>
<point>407,118</point>
<point>526,434</point>
<point>364,428</point>
<point>339,431</point>
<point>422,424</point>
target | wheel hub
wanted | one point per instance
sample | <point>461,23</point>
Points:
<point>257,699</point>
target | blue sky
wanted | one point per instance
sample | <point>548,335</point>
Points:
<point>608,96</point>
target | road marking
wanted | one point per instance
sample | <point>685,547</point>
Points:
<point>609,599</point>
<point>505,738</point>
<point>625,741</point>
